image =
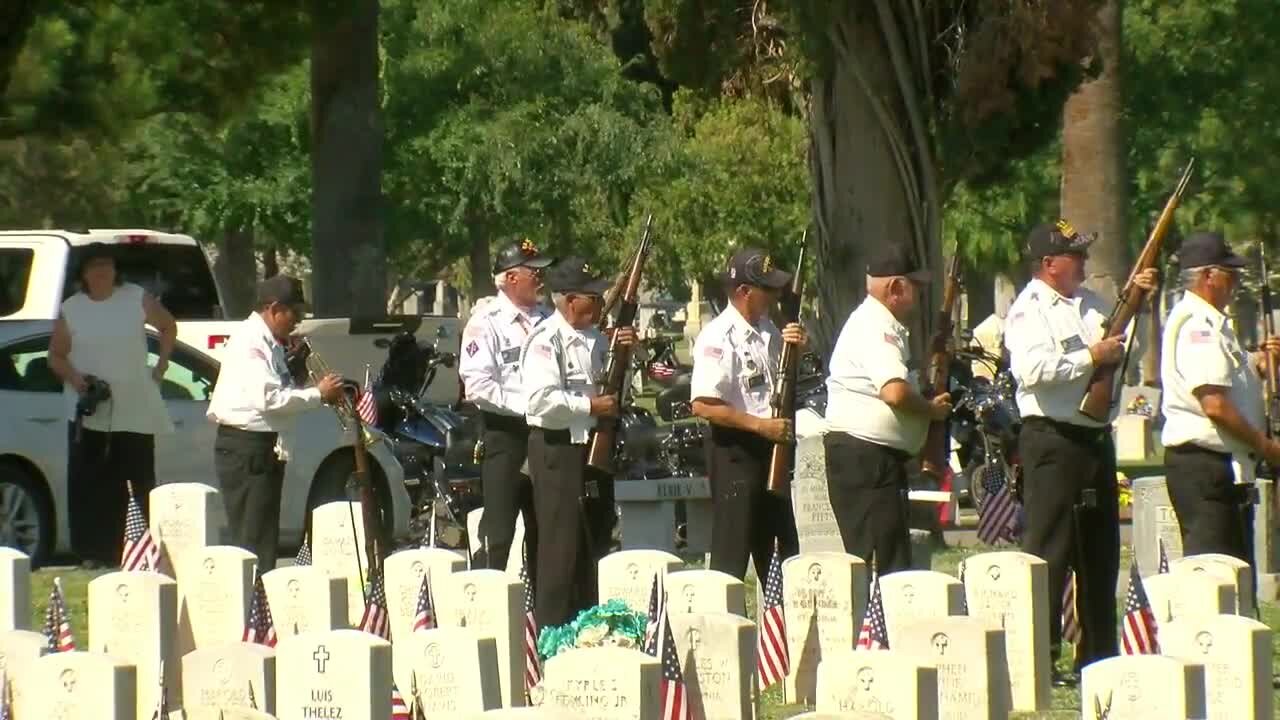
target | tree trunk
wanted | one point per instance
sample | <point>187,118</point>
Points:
<point>980,293</point>
<point>236,272</point>
<point>349,263</point>
<point>873,177</point>
<point>1094,183</point>
<point>481,264</point>
<point>270,260</point>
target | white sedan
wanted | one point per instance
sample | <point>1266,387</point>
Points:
<point>34,437</point>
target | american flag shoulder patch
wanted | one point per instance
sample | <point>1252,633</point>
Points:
<point>473,348</point>
<point>257,354</point>
<point>712,352</point>
<point>542,350</point>
<point>891,338</point>
<point>1201,337</point>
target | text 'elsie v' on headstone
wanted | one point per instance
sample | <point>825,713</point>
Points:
<point>1010,590</point>
<point>133,616</point>
<point>825,599</point>
<point>897,684</point>
<point>1134,687</point>
<point>339,674</point>
<point>606,683</point>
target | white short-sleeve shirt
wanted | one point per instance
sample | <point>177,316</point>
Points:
<point>737,362</point>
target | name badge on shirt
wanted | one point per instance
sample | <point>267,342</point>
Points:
<point>511,355</point>
<point>1072,344</point>
<point>755,381</point>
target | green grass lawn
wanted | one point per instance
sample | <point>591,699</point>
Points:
<point>1065,701</point>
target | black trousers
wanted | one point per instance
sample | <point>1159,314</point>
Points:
<point>1060,463</point>
<point>868,488</point>
<point>1213,512</point>
<point>746,518</point>
<point>575,530</point>
<point>99,467</point>
<point>251,477</point>
<point>507,493</point>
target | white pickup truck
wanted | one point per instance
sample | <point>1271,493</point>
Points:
<point>37,274</point>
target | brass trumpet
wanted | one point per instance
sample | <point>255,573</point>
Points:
<point>344,408</point>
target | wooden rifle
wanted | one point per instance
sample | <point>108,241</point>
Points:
<point>617,372</point>
<point>784,395</point>
<point>934,459</point>
<point>1271,376</point>
<point>1097,400</point>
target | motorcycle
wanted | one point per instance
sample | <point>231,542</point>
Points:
<point>985,422</point>
<point>434,443</point>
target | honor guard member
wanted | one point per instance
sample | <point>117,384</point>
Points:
<point>1212,405</point>
<point>735,365</point>
<point>876,417</point>
<point>559,368</point>
<point>253,402</point>
<point>1054,337</point>
<point>490,372</point>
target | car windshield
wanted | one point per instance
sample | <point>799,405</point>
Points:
<point>178,275</point>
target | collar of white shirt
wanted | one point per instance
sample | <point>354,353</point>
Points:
<point>260,325</point>
<point>1200,306</point>
<point>739,323</point>
<point>569,332</point>
<point>1044,292</point>
<point>881,313</point>
<point>510,311</point>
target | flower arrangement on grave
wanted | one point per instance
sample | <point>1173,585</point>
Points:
<point>1124,487</point>
<point>1140,405</point>
<point>608,624</point>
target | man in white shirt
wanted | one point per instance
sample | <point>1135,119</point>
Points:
<point>560,367</point>
<point>490,372</point>
<point>735,369</point>
<point>1054,337</point>
<point>255,399</point>
<point>1212,405</point>
<point>876,416</point>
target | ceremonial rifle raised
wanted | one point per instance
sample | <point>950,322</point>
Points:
<point>936,453</point>
<point>617,372</point>
<point>1271,376</point>
<point>784,396</point>
<point>1097,400</point>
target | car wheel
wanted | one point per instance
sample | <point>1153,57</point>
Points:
<point>331,485</point>
<point>26,515</point>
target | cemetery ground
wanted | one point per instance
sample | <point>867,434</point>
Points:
<point>1065,701</point>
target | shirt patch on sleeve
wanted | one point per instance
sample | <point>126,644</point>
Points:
<point>473,348</point>
<point>891,338</point>
<point>714,353</point>
<point>257,354</point>
<point>1200,337</point>
<point>543,351</point>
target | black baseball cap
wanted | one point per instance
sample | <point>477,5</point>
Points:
<point>1059,239</point>
<point>897,261</point>
<point>520,254</point>
<point>753,266</point>
<point>574,275</point>
<point>281,289</point>
<point>1202,249</point>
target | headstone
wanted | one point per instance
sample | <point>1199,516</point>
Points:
<point>404,572</point>
<point>205,712</point>
<point>1010,590</point>
<point>648,517</point>
<point>342,674</point>
<point>891,682</point>
<point>921,543</point>
<point>452,671</point>
<point>704,591</point>
<point>1188,594</point>
<point>214,596</point>
<point>305,599</point>
<point>529,713</point>
<point>604,683</point>
<point>490,603</point>
<point>15,590</point>
<point>855,715</point>
<point>1137,687</point>
<point>825,597</point>
<point>1154,521</point>
<point>1132,436</point>
<point>236,674</point>
<point>77,685</point>
<point>815,521</point>
<point>973,672</point>
<point>913,595</point>
<point>628,575</point>
<point>19,649</point>
<point>476,543</point>
<point>1266,542</point>
<point>338,549</point>
<point>132,616</point>
<point>184,518</point>
<point>717,654</point>
<point>1225,568</point>
<point>1236,655</point>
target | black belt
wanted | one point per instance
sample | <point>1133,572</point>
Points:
<point>1193,449</point>
<point>258,436</point>
<point>724,436</point>
<point>553,437</point>
<point>504,423</point>
<point>1079,433</point>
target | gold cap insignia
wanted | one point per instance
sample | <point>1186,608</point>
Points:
<point>1066,229</point>
<point>527,247</point>
<point>586,268</point>
<point>766,265</point>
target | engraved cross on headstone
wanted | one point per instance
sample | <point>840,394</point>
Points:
<point>321,657</point>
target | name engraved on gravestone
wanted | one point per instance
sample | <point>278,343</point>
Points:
<point>604,683</point>
<point>405,571</point>
<point>214,596</point>
<point>334,675</point>
<point>628,575</point>
<point>15,590</point>
<point>882,681</point>
<point>973,671</point>
<point>305,599</point>
<point>490,602</point>
<point>717,654</point>
<point>76,686</point>
<point>912,595</point>
<point>454,671</point>
<point>826,596</point>
<point>338,545</point>
<point>1010,590</point>
<point>1154,521</point>
<point>815,520</point>
<point>1142,686</point>
<point>235,674</point>
<point>184,518</point>
<point>133,616</point>
<point>1236,655</point>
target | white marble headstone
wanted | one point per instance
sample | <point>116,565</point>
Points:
<point>133,616</point>
<point>1137,687</point>
<point>825,598</point>
<point>605,683</point>
<point>973,672</point>
<point>236,674</point>
<point>704,591</point>
<point>475,543</point>
<point>214,596</point>
<point>336,674</point>
<point>1010,590</point>
<point>491,603</point>
<point>1225,568</point>
<point>77,685</point>
<point>815,520</point>
<point>19,649</point>
<point>1184,594</point>
<point>339,550</point>
<point>184,518</point>
<point>305,599</point>
<point>1154,520</point>
<point>628,575</point>
<point>912,595</point>
<point>404,572</point>
<point>717,654</point>
<point>205,712</point>
<point>452,671</point>
<point>1236,655</point>
<point>15,590</point>
<point>891,682</point>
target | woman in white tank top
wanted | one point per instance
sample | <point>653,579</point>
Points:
<point>102,335</point>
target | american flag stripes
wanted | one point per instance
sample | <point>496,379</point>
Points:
<point>1138,628</point>
<point>1072,631</point>
<point>874,634</point>
<point>532,664</point>
<point>366,406</point>
<point>773,657</point>
<point>998,515</point>
<point>376,619</point>
<point>964,591</point>
<point>424,617</point>
<point>259,628</point>
<point>1164,557</point>
<point>57,623</point>
<point>662,645</point>
<point>304,552</point>
<point>141,552</point>
<point>6,697</point>
<point>399,709</point>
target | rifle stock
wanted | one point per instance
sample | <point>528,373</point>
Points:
<point>1096,403</point>
<point>374,537</point>
<point>784,398</point>
<point>1271,378</point>
<point>603,439</point>
<point>935,454</point>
